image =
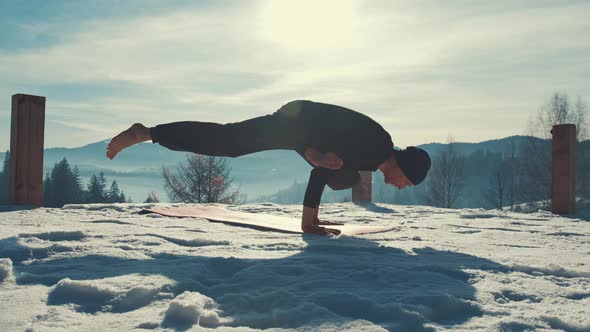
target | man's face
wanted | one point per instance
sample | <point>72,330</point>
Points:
<point>394,176</point>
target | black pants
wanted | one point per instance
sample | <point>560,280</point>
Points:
<point>268,132</point>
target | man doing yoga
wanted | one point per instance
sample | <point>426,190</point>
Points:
<point>337,142</point>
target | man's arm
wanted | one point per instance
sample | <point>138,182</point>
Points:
<point>310,223</point>
<point>313,194</point>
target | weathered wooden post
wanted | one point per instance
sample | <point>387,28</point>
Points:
<point>26,150</point>
<point>361,192</point>
<point>563,181</point>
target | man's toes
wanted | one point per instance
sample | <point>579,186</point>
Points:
<point>111,152</point>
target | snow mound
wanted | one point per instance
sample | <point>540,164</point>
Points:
<point>110,221</point>
<point>573,326</point>
<point>551,269</point>
<point>191,242</point>
<point>88,294</point>
<point>5,270</point>
<point>100,295</point>
<point>445,308</point>
<point>478,215</point>
<point>134,298</point>
<point>20,249</point>
<point>96,207</point>
<point>190,308</point>
<point>57,236</point>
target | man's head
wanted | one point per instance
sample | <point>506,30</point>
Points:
<point>406,167</point>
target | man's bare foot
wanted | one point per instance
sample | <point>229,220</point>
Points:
<point>137,133</point>
<point>313,229</point>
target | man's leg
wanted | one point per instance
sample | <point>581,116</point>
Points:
<point>225,140</point>
<point>229,140</point>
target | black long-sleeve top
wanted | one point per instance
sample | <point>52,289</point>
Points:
<point>358,140</point>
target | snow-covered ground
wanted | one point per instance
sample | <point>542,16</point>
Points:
<point>107,268</point>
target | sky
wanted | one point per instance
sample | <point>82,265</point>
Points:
<point>424,70</point>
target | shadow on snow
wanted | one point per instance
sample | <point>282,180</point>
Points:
<point>330,280</point>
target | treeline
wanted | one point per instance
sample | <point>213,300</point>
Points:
<point>489,179</point>
<point>481,179</point>
<point>63,185</point>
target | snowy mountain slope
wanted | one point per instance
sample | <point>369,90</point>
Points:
<point>106,268</point>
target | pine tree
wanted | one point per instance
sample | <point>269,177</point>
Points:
<point>114,194</point>
<point>102,181</point>
<point>62,185</point>
<point>96,189</point>
<point>54,184</point>
<point>97,192</point>
<point>47,199</point>
<point>77,183</point>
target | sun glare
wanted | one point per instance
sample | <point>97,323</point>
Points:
<point>308,24</point>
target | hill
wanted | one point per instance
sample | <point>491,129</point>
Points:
<point>138,168</point>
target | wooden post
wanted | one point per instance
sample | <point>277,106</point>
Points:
<point>26,150</point>
<point>361,192</point>
<point>563,181</point>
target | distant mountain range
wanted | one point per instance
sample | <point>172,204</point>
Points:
<point>138,168</point>
<point>502,145</point>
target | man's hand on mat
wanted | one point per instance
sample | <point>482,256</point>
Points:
<point>314,229</point>
<point>310,222</point>
<point>137,133</point>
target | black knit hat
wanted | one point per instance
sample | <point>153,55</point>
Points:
<point>414,162</point>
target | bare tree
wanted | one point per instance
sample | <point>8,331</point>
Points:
<point>445,178</point>
<point>496,193</point>
<point>201,179</point>
<point>559,110</point>
<point>580,116</point>
<point>536,184</point>
<point>535,187</point>
<point>502,188</point>
<point>501,182</point>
